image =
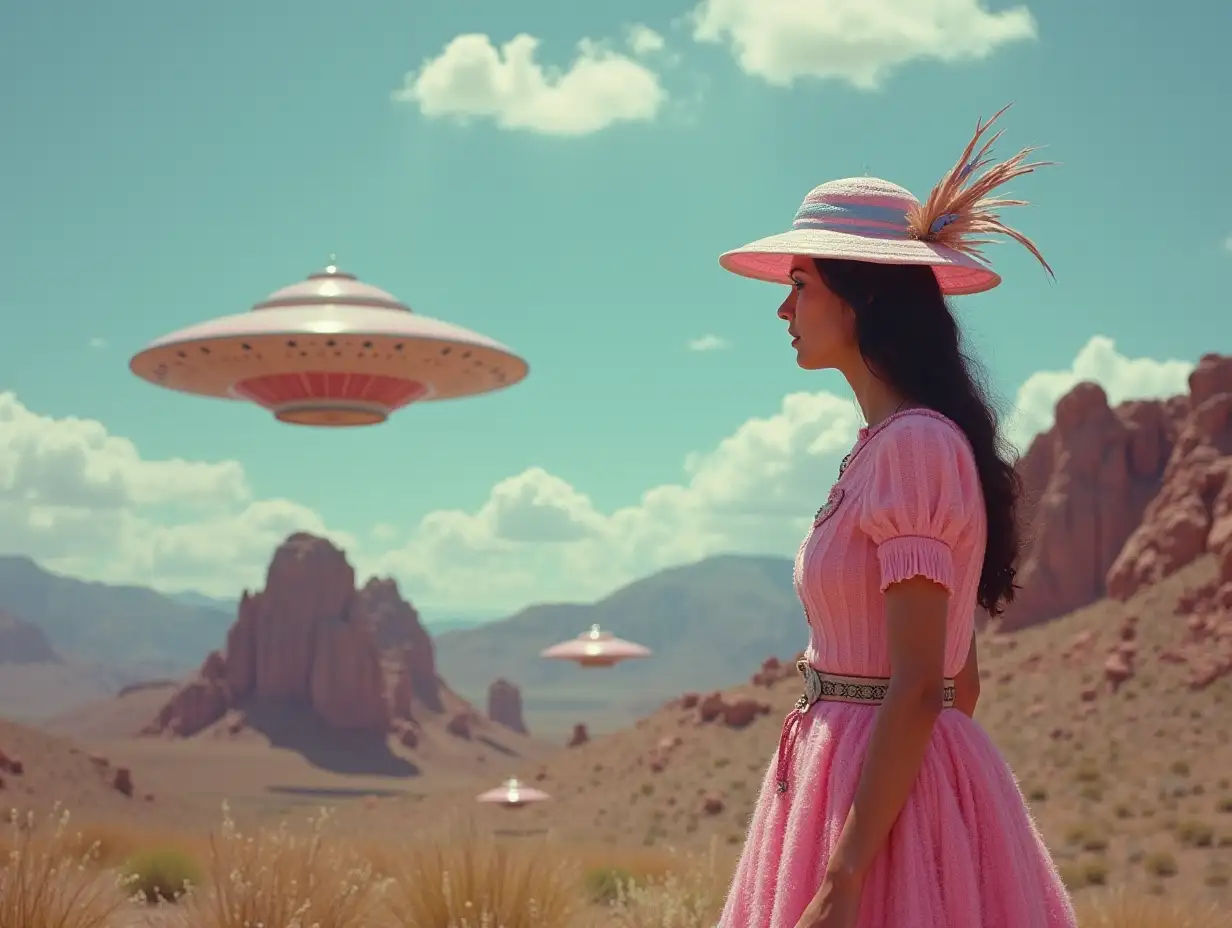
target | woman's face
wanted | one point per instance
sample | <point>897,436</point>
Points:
<point>822,326</point>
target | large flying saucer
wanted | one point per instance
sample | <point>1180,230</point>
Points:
<point>329,351</point>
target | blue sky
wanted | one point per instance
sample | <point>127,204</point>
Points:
<point>164,163</point>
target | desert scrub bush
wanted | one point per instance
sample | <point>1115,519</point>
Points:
<point>1217,875</point>
<point>1194,833</point>
<point>690,895</point>
<point>1077,874</point>
<point>1160,863</point>
<point>46,882</point>
<point>1091,792</point>
<point>1087,835</point>
<point>603,884</point>
<point>1088,772</point>
<point>161,874</point>
<point>458,877</point>
<point>276,876</point>
<point>1122,909</point>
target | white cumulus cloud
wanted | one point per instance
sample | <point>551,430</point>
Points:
<point>645,41</point>
<point>85,502</point>
<point>473,79</point>
<point>857,41</point>
<point>1122,379</point>
<point>708,343</point>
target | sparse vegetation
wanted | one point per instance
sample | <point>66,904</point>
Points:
<point>457,877</point>
<point>162,874</point>
<point>461,878</point>
<point>1194,833</point>
<point>1089,836</point>
<point>47,882</point>
<point>1135,910</point>
<point>690,896</point>
<point>280,876</point>
<point>1160,863</point>
<point>605,884</point>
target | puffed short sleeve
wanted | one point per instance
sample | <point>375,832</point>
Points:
<point>919,499</point>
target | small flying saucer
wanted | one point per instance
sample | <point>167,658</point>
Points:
<point>595,648</point>
<point>513,794</point>
<point>329,351</point>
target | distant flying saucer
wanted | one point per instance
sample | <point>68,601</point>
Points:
<point>329,351</point>
<point>512,794</point>
<point>595,648</point>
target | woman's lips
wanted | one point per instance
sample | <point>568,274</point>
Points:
<point>795,341</point>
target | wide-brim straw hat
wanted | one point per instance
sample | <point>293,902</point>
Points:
<point>874,220</point>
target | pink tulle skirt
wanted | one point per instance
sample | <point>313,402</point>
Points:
<point>964,852</point>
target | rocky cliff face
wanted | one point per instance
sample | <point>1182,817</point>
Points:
<point>359,660</point>
<point>1115,499</point>
<point>1192,513</point>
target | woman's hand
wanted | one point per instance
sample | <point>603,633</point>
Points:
<point>836,905</point>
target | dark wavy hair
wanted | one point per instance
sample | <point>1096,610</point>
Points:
<point>910,339</point>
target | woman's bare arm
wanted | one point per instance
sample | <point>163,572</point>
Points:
<point>967,683</point>
<point>915,620</point>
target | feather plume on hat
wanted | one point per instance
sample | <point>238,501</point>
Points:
<point>958,212</point>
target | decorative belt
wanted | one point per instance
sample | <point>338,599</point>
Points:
<point>834,687</point>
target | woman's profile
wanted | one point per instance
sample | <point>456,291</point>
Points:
<point>887,805</point>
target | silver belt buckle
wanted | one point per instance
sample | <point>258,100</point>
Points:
<point>812,685</point>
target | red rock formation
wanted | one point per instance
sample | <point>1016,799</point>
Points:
<point>579,737</point>
<point>1192,513</point>
<point>1086,483</point>
<point>396,624</point>
<point>460,726</point>
<point>122,781</point>
<point>357,659</point>
<point>505,705</point>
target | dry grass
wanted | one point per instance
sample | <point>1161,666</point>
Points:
<point>689,896</point>
<point>460,877</point>
<point>281,877</point>
<point>1126,910</point>
<point>46,881</point>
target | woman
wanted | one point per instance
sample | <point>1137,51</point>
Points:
<point>887,806</point>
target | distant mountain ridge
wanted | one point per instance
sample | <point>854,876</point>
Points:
<point>709,624</point>
<point>121,626</point>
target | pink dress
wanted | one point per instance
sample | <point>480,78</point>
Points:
<point>964,852</point>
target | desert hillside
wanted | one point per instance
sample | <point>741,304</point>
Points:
<point>39,771</point>
<point>1114,718</point>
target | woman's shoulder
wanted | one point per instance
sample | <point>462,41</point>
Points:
<point>925,429</point>
<point>925,442</point>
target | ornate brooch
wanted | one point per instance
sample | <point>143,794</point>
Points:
<point>831,504</point>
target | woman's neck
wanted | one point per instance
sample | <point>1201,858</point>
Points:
<point>878,400</point>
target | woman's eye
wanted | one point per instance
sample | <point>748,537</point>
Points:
<point>797,284</point>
